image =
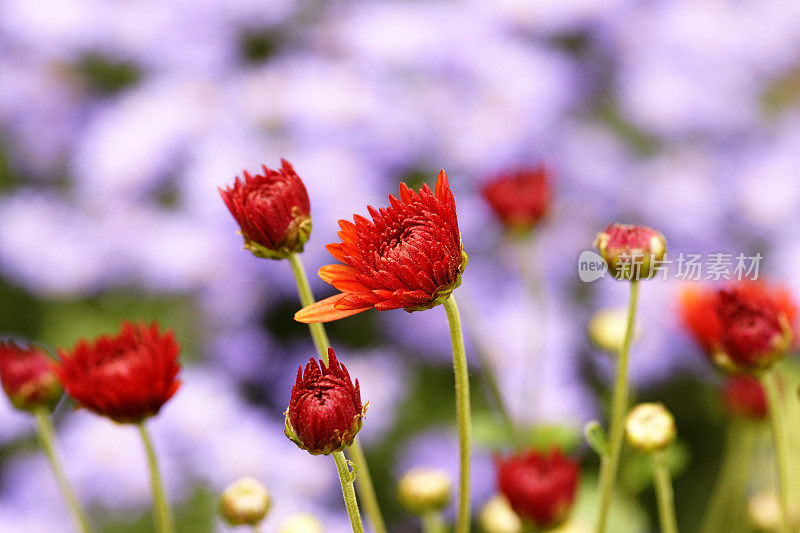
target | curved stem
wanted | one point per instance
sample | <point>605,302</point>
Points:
<point>433,523</point>
<point>779,434</point>
<point>161,510</point>
<point>46,432</point>
<point>664,495</point>
<point>462,412</point>
<point>619,404</point>
<point>349,493</point>
<point>366,489</point>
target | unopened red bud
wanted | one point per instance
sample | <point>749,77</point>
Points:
<point>520,198</point>
<point>28,377</point>
<point>631,252</point>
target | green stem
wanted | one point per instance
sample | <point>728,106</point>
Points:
<point>433,523</point>
<point>321,342</point>
<point>462,412</point>
<point>722,494</point>
<point>664,495</point>
<point>47,439</point>
<point>772,388</point>
<point>366,489</point>
<point>741,476</point>
<point>619,404</point>
<point>346,478</point>
<point>161,510</point>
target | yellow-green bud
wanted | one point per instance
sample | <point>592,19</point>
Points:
<point>764,513</point>
<point>497,516</point>
<point>301,523</point>
<point>245,502</point>
<point>423,490</point>
<point>607,329</point>
<point>650,427</point>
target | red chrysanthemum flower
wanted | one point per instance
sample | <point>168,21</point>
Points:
<point>539,487</point>
<point>28,377</point>
<point>408,256</point>
<point>698,310</point>
<point>325,411</point>
<point>520,198</point>
<point>127,377</point>
<point>754,331</point>
<point>272,210</point>
<point>631,252</point>
<point>744,396</point>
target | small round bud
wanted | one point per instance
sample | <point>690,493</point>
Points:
<point>28,377</point>
<point>764,513</point>
<point>423,490</point>
<point>245,502</point>
<point>744,396</point>
<point>519,197</point>
<point>301,523</point>
<point>497,516</point>
<point>607,329</point>
<point>650,427</point>
<point>631,252</point>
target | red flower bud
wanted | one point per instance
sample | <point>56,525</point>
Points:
<point>744,396</point>
<point>272,211</point>
<point>754,332</point>
<point>127,377</point>
<point>631,252</point>
<point>539,487</point>
<point>325,411</point>
<point>520,198</point>
<point>408,256</point>
<point>28,377</point>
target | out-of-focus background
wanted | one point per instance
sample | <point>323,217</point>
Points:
<point>119,120</point>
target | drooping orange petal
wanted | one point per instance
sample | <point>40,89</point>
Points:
<point>342,277</point>
<point>324,311</point>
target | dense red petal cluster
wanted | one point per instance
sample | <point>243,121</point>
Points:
<point>272,210</point>
<point>540,487</point>
<point>631,252</point>
<point>325,411</point>
<point>520,198</point>
<point>754,333</point>
<point>698,310</point>
<point>127,377</point>
<point>28,376</point>
<point>744,396</point>
<point>408,256</point>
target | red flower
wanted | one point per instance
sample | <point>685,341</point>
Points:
<point>126,378</point>
<point>520,198</point>
<point>272,210</point>
<point>408,256</point>
<point>744,396</point>
<point>325,411</point>
<point>754,331</point>
<point>540,487</point>
<point>28,378</point>
<point>631,252</point>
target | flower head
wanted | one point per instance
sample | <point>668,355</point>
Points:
<point>539,487</point>
<point>520,198</point>
<point>28,377</point>
<point>497,516</point>
<point>650,427</point>
<point>325,411</point>
<point>301,523</point>
<point>127,377</point>
<point>631,252</point>
<point>245,502</point>
<point>755,333</point>
<point>272,210</point>
<point>408,256</point>
<point>743,396</point>
<point>422,490</point>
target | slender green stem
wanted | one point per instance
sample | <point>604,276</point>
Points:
<point>366,489</point>
<point>779,434</point>
<point>433,523</point>
<point>741,476</point>
<point>664,495</point>
<point>346,478</point>
<point>47,439</point>
<point>161,510</point>
<point>321,342</point>
<point>722,494</point>
<point>610,464</point>
<point>462,412</point>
